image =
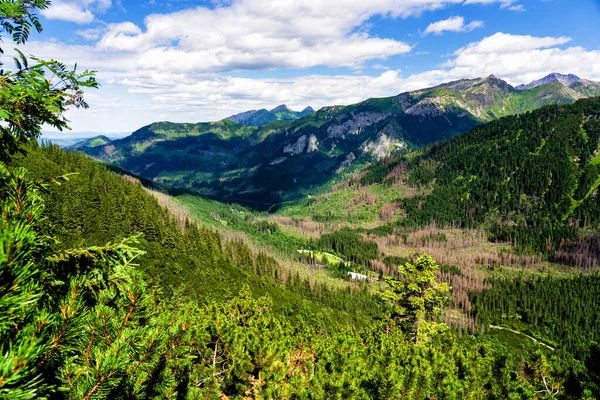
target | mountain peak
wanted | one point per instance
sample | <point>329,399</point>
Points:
<point>281,108</point>
<point>566,80</point>
<point>492,80</point>
<point>263,116</point>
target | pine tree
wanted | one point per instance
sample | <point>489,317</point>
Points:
<point>416,297</point>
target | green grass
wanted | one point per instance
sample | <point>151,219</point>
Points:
<point>322,256</point>
<point>356,207</point>
<point>234,217</point>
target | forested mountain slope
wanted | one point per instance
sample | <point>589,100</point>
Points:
<point>532,179</point>
<point>83,145</point>
<point>98,206</point>
<point>239,346</point>
<point>105,294</point>
<point>285,160</point>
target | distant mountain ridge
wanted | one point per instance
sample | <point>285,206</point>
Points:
<point>285,159</point>
<point>100,140</point>
<point>264,116</point>
<point>567,80</point>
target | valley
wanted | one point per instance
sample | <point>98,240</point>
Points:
<point>442,242</point>
<point>469,207</point>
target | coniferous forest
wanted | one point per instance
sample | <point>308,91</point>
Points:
<point>108,293</point>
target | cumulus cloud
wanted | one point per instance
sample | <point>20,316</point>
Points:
<point>517,59</point>
<point>255,34</point>
<point>452,24</point>
<point>197,95</point>
<point>178,66</point>
<point>78,11</point>
<point>71,12</point>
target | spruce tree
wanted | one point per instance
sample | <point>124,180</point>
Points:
<point>415,298</point>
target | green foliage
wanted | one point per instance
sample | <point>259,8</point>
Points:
<point>18,17</point>
<point>106,336</point>
<point>67,320</point>
<point>350,245</point>
<point>98,206</point>
<point>28,98</point>
<point>561,311</point>
<point>242,219</point>
<point>415,298</point>
<point>78,319</point>
<point>530,178</point>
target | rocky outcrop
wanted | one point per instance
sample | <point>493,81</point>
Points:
<point>566,80</point>
<point>296,147</point>
<point>278,160</point>
<point>308,143</point>
<point>313,144</point>
<point>385,143</point>
<point>354,124</point>
<point>350,157</point>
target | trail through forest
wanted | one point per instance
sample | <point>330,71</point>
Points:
<point>523,334</point>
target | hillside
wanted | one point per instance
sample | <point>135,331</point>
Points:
<point>285,160</point>
<point>509,209</point>
<point>300,327</point>
<point>439,244</point>
<point>530,179</point>
<point>90,143</point>
<point>183,259</point>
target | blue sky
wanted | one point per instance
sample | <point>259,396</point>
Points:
<point>190,61</point>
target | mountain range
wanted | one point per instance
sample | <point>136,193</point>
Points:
<point>289,158</point>
<point>263,116</point>
<point>566,80</point>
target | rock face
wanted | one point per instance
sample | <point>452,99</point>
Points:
<point>566,80</point>
<point>310,143</point>
<point>313,144</point>
<point>348,160</point>
<point>353,124</point>
<point>278,160</point>
<point>385,143</point>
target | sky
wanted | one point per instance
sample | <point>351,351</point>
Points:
<point>193,61</point>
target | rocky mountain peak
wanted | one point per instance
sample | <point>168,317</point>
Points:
<point>281,108</point>
<point>566,80</point>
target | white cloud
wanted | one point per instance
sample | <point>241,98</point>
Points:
<point>452,24</point>
<point>518,8</point>
<point>517,59</point>
<point>508,4</point>
<point>149,94</point>
<point>91,34</point>
<point>71,12</point>
<point>78,11</point>
<point>504,43</point>
<point>254,35</point>
<point>503,3</point>
<point>176,66</point>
